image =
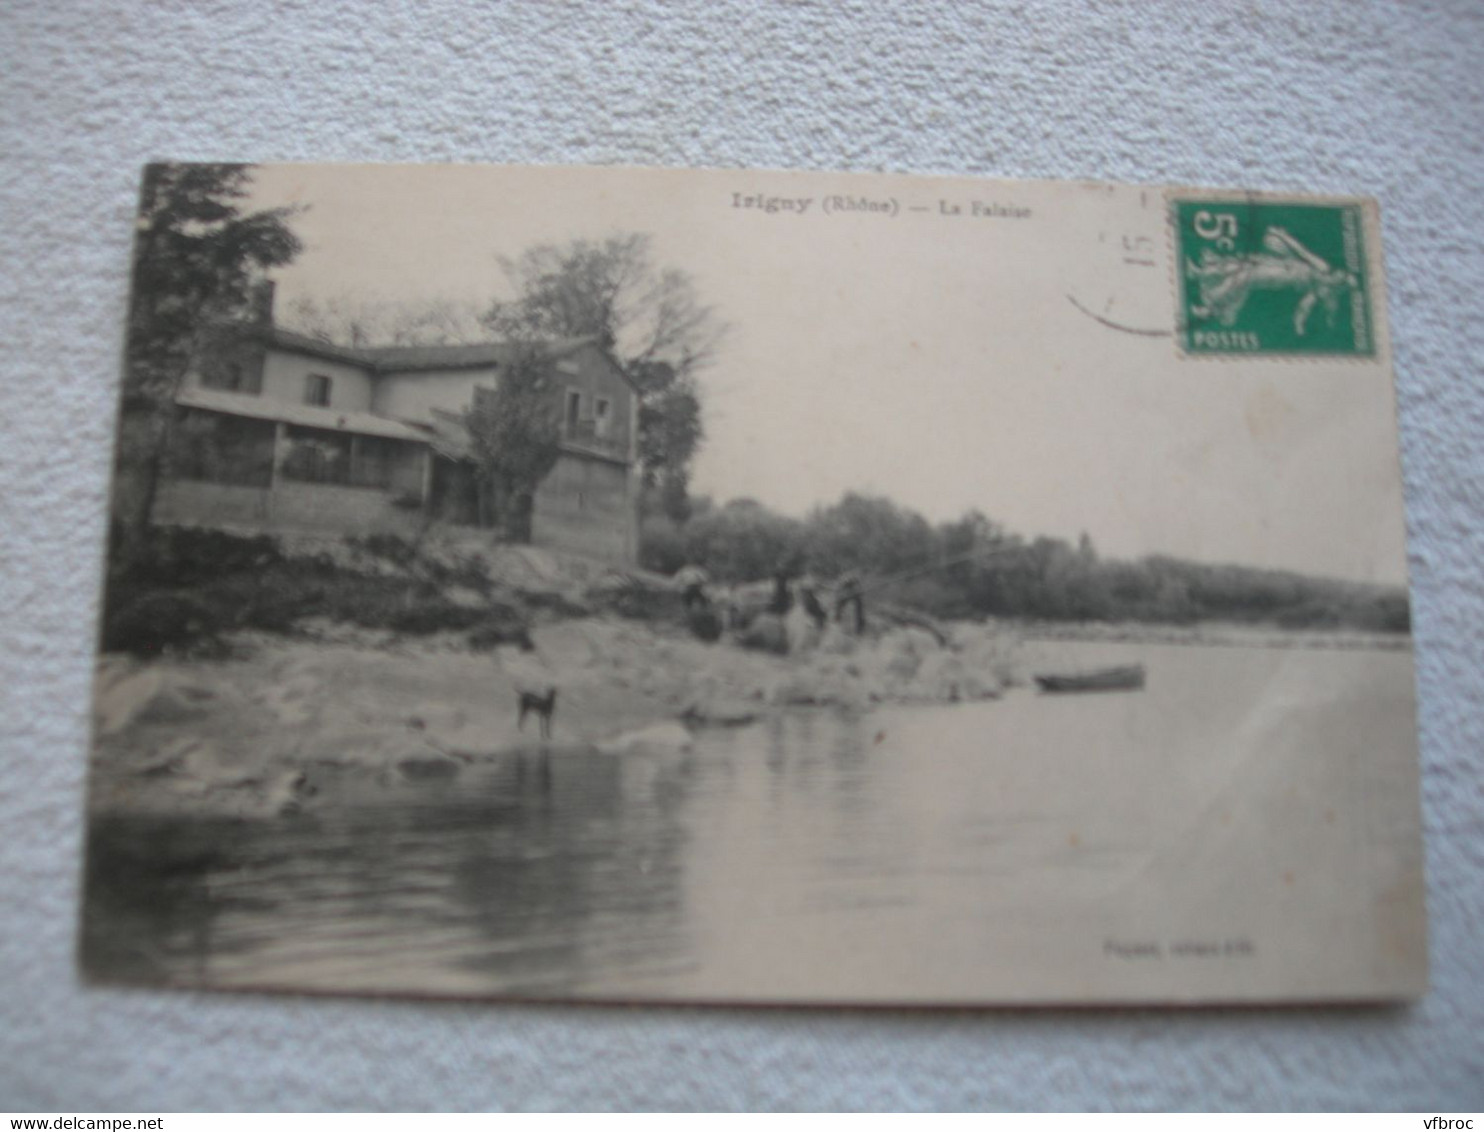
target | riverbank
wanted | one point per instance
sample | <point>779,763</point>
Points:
<point>278,724</point>
<point>1210,634</point>
<point>252,677</point>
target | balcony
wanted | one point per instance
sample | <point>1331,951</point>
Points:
<point>584,434</point>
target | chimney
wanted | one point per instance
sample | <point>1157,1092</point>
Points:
<point>261,303</point>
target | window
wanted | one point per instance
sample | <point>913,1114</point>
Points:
<point>317,389</point>
<point>574,409</point>
<point>233,377</point>
<point>373,461</point>
<point>317,456</point>
<point>601,417</point>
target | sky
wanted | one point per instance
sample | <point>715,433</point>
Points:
<point>947,360</point>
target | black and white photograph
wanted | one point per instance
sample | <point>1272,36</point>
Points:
<point>726,586</point>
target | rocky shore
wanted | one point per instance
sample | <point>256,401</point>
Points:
<point>268,677</point>
<point>289,723</point>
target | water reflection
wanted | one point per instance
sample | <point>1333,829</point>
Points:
<point>526,874</point>
<point>905,853</point>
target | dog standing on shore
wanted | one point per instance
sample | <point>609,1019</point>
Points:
<point>534,683</point>
<point>543,705</point>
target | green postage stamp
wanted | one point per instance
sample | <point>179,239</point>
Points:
<point>1272,276</point>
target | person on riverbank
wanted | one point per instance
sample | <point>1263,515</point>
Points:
<point>783,599</point>
<point>809,599</point>
<point>691,581</point>
<point>849,595</point>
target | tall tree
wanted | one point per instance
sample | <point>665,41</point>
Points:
<point>196,257</point>
<point>514,436</point>
<point>650,317</point>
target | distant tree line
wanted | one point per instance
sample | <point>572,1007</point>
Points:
<point>973,567</point>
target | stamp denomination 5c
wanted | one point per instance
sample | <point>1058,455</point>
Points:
<point>1272,276</point>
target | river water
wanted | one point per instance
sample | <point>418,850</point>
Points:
<point>1001,851</point>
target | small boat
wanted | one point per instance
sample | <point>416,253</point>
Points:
<point>1125,678</point>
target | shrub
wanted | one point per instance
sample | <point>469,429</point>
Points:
<point>661,545</point>
<point>432,616</point>
<point>391,548</point>
<point>704,624</point>
<point>271,601</point>
<point>468,570</point>
<point>1393,614</point>
<point>1315,614</point>
<point>185,588</point>
<point>502,627</point>
<point>765,634</point>
<point>184,556</point>
<point>639,602</point>
<point>549,601</point>
<point>149,623</point>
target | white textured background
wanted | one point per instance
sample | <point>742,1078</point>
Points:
<point>1386,99</point>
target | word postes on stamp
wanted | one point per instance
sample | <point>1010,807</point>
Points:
<point>1268,276</point>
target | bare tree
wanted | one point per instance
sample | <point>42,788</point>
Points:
<point>359,320</point>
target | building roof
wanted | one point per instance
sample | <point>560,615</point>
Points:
<point>411,359</point>
<point>308,416</point>
<point>315,347</point>
<point>405,359</point>
<point>449,436</point>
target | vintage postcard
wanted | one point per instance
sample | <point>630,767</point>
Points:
<point>754,587</point>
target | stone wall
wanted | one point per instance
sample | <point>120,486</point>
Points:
<point>290,506</point>
<point>198,503</point>
<point>587,506</point>
<point>333,507</point>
